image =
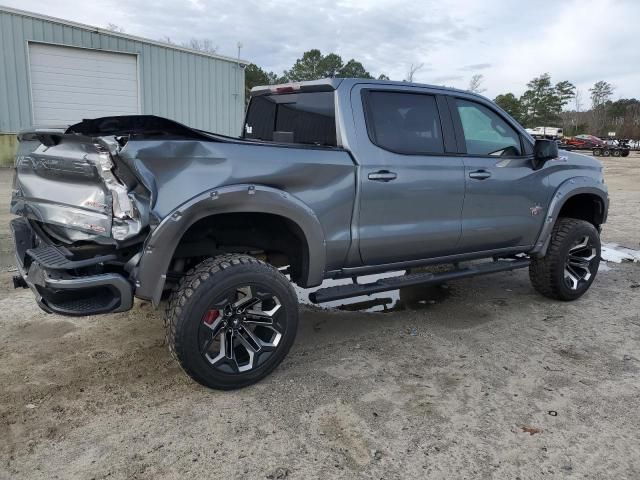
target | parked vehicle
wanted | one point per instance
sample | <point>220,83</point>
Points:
<point>336,178</point>
<point>552,133</point>
<point>613,148</point>
<point>582,142</point>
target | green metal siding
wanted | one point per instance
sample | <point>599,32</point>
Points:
<point>198,90</point>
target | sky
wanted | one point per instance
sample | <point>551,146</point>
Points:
<point>509,42</point>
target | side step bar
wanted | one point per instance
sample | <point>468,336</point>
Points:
<point>393,283</point>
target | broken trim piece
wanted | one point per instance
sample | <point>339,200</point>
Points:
<point>137,126</point>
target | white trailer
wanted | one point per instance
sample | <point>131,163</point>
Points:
<point>546,132</point>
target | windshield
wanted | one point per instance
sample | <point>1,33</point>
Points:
<point>306,118</point>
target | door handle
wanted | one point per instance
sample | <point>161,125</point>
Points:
<point>480,174</point>
<point>382,176</point>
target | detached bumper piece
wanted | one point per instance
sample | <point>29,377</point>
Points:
<point>59,292</point>
<point>59,282</point>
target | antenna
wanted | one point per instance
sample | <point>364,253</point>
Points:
<point>239,49</point>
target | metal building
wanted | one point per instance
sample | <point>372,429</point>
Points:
<point>55,72</point>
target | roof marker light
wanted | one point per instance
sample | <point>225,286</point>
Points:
<point>286,88</point>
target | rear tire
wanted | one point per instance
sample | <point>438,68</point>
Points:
<point>606,153</point>
<point>597,152</point>
<point>571,263</point>
<point>231,321</point>
<point>616,153</point>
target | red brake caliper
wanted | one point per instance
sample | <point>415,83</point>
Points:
<point>211,316</point>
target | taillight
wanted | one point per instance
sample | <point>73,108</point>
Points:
<point>285,90</point>
<point>126,216</point>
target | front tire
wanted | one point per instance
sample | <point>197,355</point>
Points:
<point>231,321</point>
<point>571,263</point>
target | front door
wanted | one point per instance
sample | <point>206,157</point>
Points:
<point>505,197</point>
<point>411,185</point>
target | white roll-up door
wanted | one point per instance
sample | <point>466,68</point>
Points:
<point>69,84</point>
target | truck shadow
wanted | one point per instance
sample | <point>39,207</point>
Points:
<point>463,304</point>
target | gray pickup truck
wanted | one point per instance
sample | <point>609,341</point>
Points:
<point>330,179</point>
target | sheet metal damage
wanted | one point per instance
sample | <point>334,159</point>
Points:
<point>77,187</point>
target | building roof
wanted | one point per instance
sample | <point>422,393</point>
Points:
<point>105,31</point>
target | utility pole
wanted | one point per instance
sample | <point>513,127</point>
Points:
<point>238,86</point>
<point>237,94</point>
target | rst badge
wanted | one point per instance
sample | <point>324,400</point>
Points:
<point>535,210</point>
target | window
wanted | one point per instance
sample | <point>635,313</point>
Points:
<point>404,122</point>
<point>307,118</point>
<point>486,133</point>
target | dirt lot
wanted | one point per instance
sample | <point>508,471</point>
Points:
<point>486,380</point>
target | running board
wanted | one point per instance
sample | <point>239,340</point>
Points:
<point>393,283</point>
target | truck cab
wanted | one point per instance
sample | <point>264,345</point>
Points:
<point>335,178</point>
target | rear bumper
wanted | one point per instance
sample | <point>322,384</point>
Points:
<point>66,289</point>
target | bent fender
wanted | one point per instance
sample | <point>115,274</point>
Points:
<point>244,198</point>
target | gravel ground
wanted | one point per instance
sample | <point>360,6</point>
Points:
<point>486,380</point>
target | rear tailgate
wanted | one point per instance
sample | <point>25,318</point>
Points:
<point>67,180</point>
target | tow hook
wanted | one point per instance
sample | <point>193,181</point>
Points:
<point>18,282</point>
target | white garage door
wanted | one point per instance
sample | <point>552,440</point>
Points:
<point>69,84</point>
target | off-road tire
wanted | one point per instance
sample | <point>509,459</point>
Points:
<point>547,274</point>
<point>597,152</point>
<point>615,153</point>
<point>192,298</point>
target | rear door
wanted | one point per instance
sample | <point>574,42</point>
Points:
<point>411,185</point>
<point>505,197</point>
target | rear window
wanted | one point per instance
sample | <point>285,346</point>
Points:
<point>406,123</point>
<point>306,118</point>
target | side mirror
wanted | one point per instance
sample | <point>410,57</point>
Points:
<point>544,150</point>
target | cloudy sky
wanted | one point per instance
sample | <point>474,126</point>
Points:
<point>507,41</point>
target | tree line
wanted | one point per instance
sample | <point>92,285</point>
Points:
<point>546,104</point>
<point>311,66</point>
<point>543,103</point>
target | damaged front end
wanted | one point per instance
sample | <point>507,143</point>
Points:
<point>83,216</point>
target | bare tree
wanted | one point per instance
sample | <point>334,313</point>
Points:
<point>115,28</point>
<point>601,93</point>
<point>575,115</point>
<point>413,70</point>
<point>202,45</point>
<point>167,39</point>
<point>577,98</point>
<point>475,84</point>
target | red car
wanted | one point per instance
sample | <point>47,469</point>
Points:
<point>586,142</point>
